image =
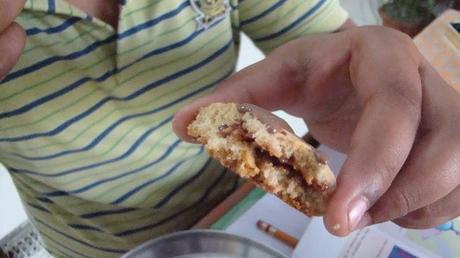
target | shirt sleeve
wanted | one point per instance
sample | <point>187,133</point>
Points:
<point>270,23</point>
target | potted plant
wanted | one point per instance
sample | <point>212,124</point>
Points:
<point>408,16</point>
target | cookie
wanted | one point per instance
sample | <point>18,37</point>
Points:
<point>273,158</point>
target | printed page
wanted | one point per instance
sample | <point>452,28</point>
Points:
<point>367,243</point>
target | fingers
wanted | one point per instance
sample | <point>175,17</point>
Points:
<point>383,137</point>
<point>12,41</point>
<point>434,214</point>
<point>430,173</point>
<point>9,10</point>
<point>266,117</point>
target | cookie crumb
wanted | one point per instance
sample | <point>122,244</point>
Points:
<point>244,109</point>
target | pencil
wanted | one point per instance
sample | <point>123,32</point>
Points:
<point>278,234</point>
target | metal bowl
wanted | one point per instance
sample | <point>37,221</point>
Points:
<point>203,244</point>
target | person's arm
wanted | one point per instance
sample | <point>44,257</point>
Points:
<point>12,36</point>
<point>369,93</point>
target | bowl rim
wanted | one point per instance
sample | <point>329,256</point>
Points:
<point>203,231</point>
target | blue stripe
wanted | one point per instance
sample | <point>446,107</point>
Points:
<point>173,216</point>
<point>51,6</point>
<point>97,214</point>
<point>152,181</point>
<point>110,250</point>
<point>38,207</point>
<point>182,186</point>
<point>292,25</point>
<point>84,227</point>
<point>99,138</point>
<point>95,45</point>
<point>131,149</point>
<point>60,245</point>
<point>44,199</point>
<point>23,171</point>
<point>150,86</point>
<point>264,13</point>
<point>112,127</point>
<point>66,24</point>
<point>110,179</point>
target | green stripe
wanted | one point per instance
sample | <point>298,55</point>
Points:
<point>250,6</point>
<point>135,126</point>
<point>44,83</point>
<point>177,60</point>
<point>296,32</point>
<point>127,14</point>
<point>239,209</point>
<point>79,35</point>
<point>64,184</point>
<point>98,61</point>
<point>286,18</point>
<point>108,191</point>
<point>177,179</point>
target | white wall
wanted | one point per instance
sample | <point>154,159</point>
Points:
<point>11,212</point>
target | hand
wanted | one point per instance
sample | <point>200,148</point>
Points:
<point>369,93</point>
<point>12,36</point>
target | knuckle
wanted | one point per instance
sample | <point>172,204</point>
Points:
<point>390,169</point>
<point>402,202</point>
<point>406,93</point>
<point>422,223</point>
<point>425,213</point>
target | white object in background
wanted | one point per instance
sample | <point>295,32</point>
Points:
<point>363,12</point>
<point>317,242</point>
<point>12,213</point>
<point>274,211</point>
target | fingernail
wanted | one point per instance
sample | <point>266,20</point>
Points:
<point>356,211</point>
<point>365,221</point>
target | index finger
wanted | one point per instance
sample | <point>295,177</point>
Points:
<point>390,91</point>
<point>9,10</point>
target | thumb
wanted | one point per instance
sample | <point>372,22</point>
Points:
<point>265,84</point>
<point>12,41</point>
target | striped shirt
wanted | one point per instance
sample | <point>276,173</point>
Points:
<point>85,116</point>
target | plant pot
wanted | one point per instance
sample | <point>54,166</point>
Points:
<point>411,28</point>
<point>457,5</point>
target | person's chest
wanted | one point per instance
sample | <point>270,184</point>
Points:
<point>86,99</point>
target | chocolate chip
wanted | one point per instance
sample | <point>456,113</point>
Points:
<point>244,108</point>
<point>222,127</point>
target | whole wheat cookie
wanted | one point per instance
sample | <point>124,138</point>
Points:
<point>274,159</point>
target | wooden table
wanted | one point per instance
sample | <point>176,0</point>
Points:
<point>441,47</point>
